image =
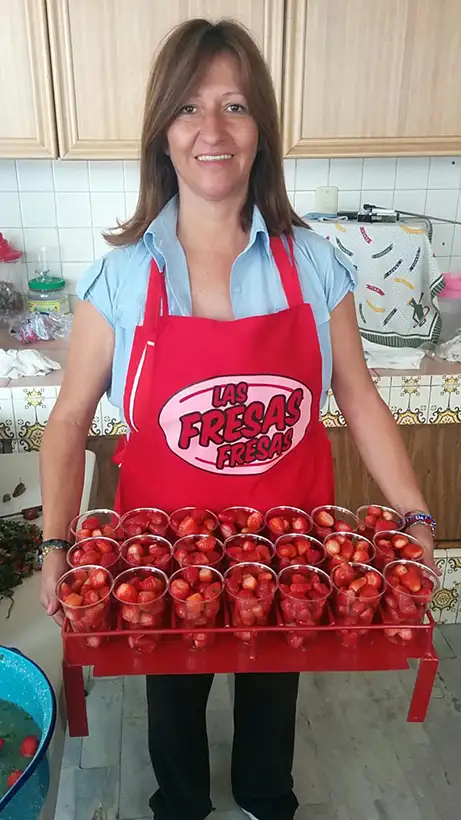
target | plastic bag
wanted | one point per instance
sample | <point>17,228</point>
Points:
<point>41,327</point>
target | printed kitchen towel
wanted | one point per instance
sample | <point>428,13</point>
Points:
<point>398,281</point>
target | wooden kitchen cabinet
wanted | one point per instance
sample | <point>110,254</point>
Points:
<point>368,78</point>
<point>27,125</point>
<point>101,54</point>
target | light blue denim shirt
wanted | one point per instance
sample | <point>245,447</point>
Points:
<point>116,285</point>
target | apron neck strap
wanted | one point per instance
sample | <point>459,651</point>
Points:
<point>156,300</point>
<point>286,265</point>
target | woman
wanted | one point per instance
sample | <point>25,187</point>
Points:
<point>216,281</point>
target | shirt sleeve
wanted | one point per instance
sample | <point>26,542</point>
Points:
<point>326,273</point>
<point>343,279</point>
<point>98,285</point>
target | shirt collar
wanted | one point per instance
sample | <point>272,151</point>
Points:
<point>161,232</point>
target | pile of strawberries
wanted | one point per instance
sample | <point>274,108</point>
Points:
<point>85,597</point>
<point>408,594</point>
<point>251,547</point>
<point>147,551</point>
<point>234,520</point>
<point>192,521</point>
<point>327,520</point>
<point>146,520</point>
<point>251,589</point>
<point>378,519</point>
<point>94,527</point>
<point>282,520</point>
<point>298,549</point>
<point>141,593</point>
<point>357,596</point>
<point>304,593</point>
<point>341,547</point>
<point>102,551</point>
<point>198,549</point>
<point>196,594</point>
<point>394,545</point>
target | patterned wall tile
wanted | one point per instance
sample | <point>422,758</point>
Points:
<point>446,600</point>
<point>445,400</point>
<point>112,425</point>
<point>441,598</point>
<point>409,399</point>
<point>97,424</point>
<point>383,384</point>
<point>32,407</point>
<point>7,426</point>
<point>331,414</point>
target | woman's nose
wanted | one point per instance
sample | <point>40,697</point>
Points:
<point>212,126</point>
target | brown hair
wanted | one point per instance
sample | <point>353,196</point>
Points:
<point>177,70</point>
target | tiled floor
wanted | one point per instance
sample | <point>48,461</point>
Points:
<point>356,757</point>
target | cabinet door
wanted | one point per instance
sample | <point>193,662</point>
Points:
<point>102,52</point>
<point>27,126</point>
<point>371,78</point>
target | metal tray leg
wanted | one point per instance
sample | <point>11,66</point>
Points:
<point>74,690</point>
<point>425,678</point>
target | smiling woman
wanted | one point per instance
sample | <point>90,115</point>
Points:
<point>220,321</point>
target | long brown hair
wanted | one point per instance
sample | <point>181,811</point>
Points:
<point>177,70</point>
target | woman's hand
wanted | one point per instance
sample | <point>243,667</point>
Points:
<point>424,535</point>
<point>54,565</point>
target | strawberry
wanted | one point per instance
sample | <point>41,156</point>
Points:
<point>409,592</point>
<point>127,593</point>
<point>324,519</point>
<point>13,777</point>
<point>192,521</point>
<point>357,595</point>
<point>29,746</point>
<point>345,546</point>
<point>198,549</point>
<point>240,519</point>
<point>73,600</point>
<point>250,547</point>
<point>102,551</point>
<point>141,593</point>
<point>144,521</point>
<point>91,597</point>
<point>196,593</point>
<point>97,578</point>
<point>147,550</point>
<point>179,589</point>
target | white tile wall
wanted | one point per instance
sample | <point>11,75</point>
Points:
<point>65,205</point>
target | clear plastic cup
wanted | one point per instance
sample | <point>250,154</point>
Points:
<point>145,521</point>
<point>147,551</point>
<point>93,616</point>
<point>302,611</point>
<point>334,517</point>
<point>367,527</point>
<point>249,607</point>
<point>347,546</point>
<point>195,610</point>
<point>248,547</point>
<point>148,613</point>
<point>402,609</point>
<point>102,551</point>
<point>283,520</point>
<point>104,518</point>
<point>193,521</point>
<point>386,552</point>
<point>297,548</point>
<point>187,551</point>
<point>234,520</point>
<point>354,610</point>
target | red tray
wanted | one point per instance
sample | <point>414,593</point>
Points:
<point>268,651</point>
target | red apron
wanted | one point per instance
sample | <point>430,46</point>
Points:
<point>225,413</point>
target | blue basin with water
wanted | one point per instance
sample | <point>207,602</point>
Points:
<point>23,683</point>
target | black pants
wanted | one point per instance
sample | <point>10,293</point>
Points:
<point>262,753</point>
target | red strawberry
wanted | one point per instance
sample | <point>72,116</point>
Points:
<point>97,578</point>
<point>127,593</point>
<point>13,777</point>
<point>180,589</point>
<point>29,746</point>
<point>324,519</point>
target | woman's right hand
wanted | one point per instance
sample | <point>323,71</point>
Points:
<point>54,565</point>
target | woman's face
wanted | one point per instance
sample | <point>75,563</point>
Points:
<point>213,141</point>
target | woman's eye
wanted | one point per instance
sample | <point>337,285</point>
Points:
<point>236,108</point>
<point>188,109</point>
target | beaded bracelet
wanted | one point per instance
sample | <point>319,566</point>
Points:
<point>412,518</point>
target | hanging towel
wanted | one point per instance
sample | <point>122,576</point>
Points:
<point>398,281</point>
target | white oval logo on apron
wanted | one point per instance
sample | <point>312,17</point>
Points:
<point>237,425</point>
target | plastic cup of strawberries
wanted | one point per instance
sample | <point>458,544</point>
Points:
<point>393,545</point>
<point>304,592</point>
<point>347,546</point>
<point>283,520</point>
<point>374,518</point>
<point>295,549</point>
<point>102,551</point>
<point>96,524</point>
<point>85,596</point>
<point>250,589</point>
<point>193,521</point>
<point>145,521</point>
<point>409,591</point>
<point>147,551</point>
<point>248,547</point>
<point>198,550</point>
<point>140,593</point>
<point>196,592</point>
<point>330,518</point>
<point>234,520</point>
<point>358,589</point>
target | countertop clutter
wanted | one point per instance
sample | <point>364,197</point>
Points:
<point>280,584</point>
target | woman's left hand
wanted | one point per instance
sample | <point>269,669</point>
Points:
<point>424,535</point>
